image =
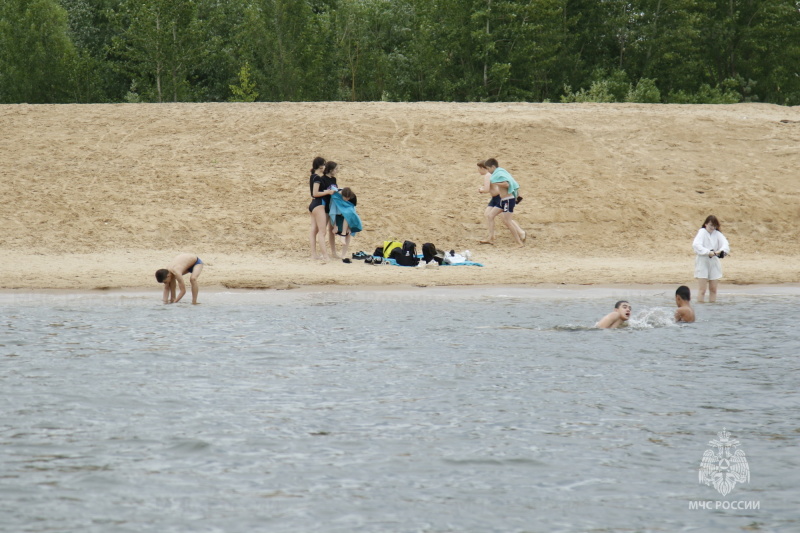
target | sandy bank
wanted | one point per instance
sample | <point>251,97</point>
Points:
<point>99,196</point>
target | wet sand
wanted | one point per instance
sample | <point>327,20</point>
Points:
<point>395,292</point>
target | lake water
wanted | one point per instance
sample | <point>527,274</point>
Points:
<point>485,410</point>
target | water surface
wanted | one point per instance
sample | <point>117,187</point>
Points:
<point>426,410</point>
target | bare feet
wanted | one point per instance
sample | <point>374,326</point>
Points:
<point>524,236</point>
<point>486,241</point>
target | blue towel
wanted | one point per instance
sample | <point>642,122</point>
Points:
<point>342,210</point>
<point>465,263</point>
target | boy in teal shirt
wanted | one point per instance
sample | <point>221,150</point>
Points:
<point>507,188</point>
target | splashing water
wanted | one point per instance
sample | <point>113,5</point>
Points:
<point>648,318</point>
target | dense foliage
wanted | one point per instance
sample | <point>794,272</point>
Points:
<point>687,51</point>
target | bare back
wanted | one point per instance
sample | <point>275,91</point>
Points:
<point>182,263</point>
<point>684,314</point>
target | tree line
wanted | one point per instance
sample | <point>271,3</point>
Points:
<point>684,51</point>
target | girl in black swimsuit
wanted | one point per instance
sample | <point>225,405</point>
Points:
<point>319,220</point>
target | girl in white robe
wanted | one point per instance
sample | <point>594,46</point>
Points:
<point>709,245</point>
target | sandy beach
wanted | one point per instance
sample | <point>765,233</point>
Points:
<point>100,196</point>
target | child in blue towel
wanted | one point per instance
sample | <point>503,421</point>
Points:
<point>343,228</point>
<point>341,223</point>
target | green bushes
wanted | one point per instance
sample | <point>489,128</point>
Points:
<point>646,91</point>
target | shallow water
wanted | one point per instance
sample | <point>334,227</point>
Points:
<point>495,410</point>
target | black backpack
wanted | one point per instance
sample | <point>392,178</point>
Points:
<point>409,257</point>
<point>397,255</point>
<point>428,252</point>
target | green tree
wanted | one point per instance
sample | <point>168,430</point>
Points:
<point>36,53</point>
<point>245,91</point>
<point>371,39</point>
<point>443,52</point>
<point>671,48</point>
<point>159,43</point>
<point>91,29</point>
<point>488,49</point>
<point>758,40</point>
<point>645,92</point>
<point>288,44</point>
<point>519,43</point>
<point>219,61</point>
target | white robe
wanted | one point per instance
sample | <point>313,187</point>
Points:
<point>709,267</point>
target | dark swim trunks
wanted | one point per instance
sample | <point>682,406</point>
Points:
<point>508,205</point>
<point>495,201</point>
<point>191,268</point>
<point>316,202</point>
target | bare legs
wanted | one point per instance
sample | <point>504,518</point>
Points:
<point>702,285</point>
<point>345,234</point>
<point>313,235</point>
<point>712,290</point>
<point>318,226</point>
<point>320,229</point>
<point>522,234</point>
<point>490,213</point>
<point>516,231</point>
<point>514,228</point>
<point>331,239</point>
<point>346,245</point>
<point>193,281</point>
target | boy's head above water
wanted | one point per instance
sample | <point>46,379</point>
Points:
<point>624,308</point>
<point>684,293</point>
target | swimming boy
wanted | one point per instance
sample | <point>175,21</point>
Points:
<point>182,264</point>
<point>683,298</point>
<point>616,318</point>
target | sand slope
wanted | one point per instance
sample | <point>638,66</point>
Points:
<point>102,195</point>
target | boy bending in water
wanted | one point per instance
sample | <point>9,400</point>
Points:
<point>616,318</point>
<point>683,298</point>
<point>182,264</point>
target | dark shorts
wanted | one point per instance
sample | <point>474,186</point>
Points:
<point>508,205</point>
<point>316,202</point>
<point>191,268</point>
<point>495,201</point>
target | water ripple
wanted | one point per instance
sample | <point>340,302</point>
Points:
<point>382,413</point>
